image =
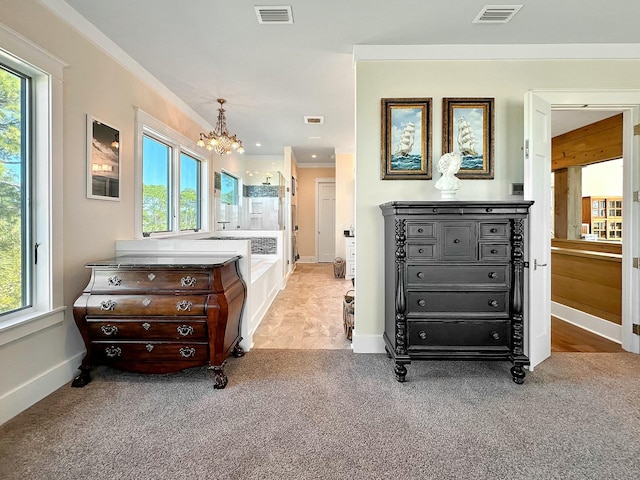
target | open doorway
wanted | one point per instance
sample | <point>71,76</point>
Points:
<point>586,240</point>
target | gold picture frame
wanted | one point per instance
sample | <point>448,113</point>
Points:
<point>468,129</point>
<point>406,139</point>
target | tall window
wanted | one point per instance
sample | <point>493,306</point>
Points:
<point>190,198</point>
<point>174,181</point>
<point>15,218</point>
<point>228,189</point>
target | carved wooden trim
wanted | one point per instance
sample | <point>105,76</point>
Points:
<point>517,259</point>
<point>401,301</point>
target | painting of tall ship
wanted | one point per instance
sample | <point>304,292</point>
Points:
<point>402,158</point>
<point>468,146</point>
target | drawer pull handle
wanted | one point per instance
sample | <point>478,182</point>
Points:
<point>494,230</point>
<point>493,275</point>
<point>109,329</point>
<point>457,240</point>
<point>420,230</point>
<point>149,347</point>
<point>184,305</point>
<point>185,330</point>
<point>146,326</point>
<point>146,302</point>
<point>187,352</point>
<point>494,251</point>
<point>114,281</point>
<point>108,305</point>
<point>420,275</point>
<point>493,303</point>
<point>495,335</point>
<point>151,277</point>
<point>422,303</point>
<point>188,281</point>
<point>489,210</point>
<point>421,250</point>
<point>422,334</point>
<point>113,352</point>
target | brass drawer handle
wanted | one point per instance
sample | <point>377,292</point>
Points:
<point>422,334</point>
<point>146,326</point>
<point>422,303</point>
<point>493,275</point>
<point>114,281</point>
<point>108,305</point>
<point>109,329</point>
<point>493,303</point>
<point>112,352</point>
<point>149,347</point>
<point>185,330</point>
<point>188,281</point>
<point>187,352</point>
<point>184,305</point>
<point>420,275</point>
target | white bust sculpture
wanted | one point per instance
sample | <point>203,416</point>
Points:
<point>448,183</point>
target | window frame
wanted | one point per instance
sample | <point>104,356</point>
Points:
<point>153,128</point>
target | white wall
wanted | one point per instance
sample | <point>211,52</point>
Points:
<point>506,81</point>
<point>345,199</point>
<point>602,179</point>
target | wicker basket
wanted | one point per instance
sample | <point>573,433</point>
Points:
<point>348,310</point>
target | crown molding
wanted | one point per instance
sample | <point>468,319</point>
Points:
<point>585,51</point>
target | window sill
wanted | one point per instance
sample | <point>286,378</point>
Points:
<point>26,324</point>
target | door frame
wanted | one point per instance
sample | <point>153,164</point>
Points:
<point>628,102</point>
<point>320,180</point>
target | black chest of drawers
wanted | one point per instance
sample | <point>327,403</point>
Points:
<point>161,314</point>
<point>454,282</point>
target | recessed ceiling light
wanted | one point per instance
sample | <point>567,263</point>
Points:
<point>258,144</point>
<point>315,138</point>
<point>313,156</point>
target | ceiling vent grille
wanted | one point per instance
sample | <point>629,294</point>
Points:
<point>274,15</point>
<point>497,13</point>
<point>313,120</point>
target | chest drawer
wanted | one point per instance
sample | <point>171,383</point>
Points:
<point>149,351</point>
<point>459,241</point>
<point>114,280</point>
<point>147,329</point>
<point>467,333</point>
<point>458,303</point>
<point>497,230</point>
<point>458,274</point>
<point>421,230</point>
<point>421,252</point>
<point>142,305</point>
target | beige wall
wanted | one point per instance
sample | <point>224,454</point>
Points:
<point>306,193</point>
<point>507,82</point>
<point>345,199</point>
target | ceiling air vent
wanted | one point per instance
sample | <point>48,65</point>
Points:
<point>497,13</point>
<point>313,120</point>
<point>274,15</point>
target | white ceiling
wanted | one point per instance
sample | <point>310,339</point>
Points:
<point>274,75</point>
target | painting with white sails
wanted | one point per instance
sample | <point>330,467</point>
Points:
<point>405,138</point>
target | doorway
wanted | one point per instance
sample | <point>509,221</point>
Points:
<point>538,106</point>
<point>325,219</point>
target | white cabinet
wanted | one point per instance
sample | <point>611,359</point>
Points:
<point>350,261</point>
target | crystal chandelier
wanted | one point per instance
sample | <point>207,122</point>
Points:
<point>219,139</point>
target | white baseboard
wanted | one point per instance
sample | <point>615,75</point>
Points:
<point>597,325</point>
<point>367,343</point>
<point>29,393</point>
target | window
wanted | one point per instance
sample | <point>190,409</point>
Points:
<point>228,189</point>
<point>173,177</point>
<point>15,215</point>
<point>615,208</point>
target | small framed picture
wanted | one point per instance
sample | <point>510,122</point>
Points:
<point>406,139</point>
<point>467,129</point>
<point>103,161</point>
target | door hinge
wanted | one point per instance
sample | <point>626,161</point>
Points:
<point>636,262</point>
<point>636,329</point>
<point>636,129</point>
<point>636,196</point>
<point>526,149</point>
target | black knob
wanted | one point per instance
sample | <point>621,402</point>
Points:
<point>422,303</point>
<point>493,303</point>
<point>493,274</point>
<point>420,250</point>
<point>420,230</point>
<point>489,209</point>
<point>457,240</point>
<point>422,334</point>
<point>420,275</point>
<point>493,230</point>
<point>495,335</point>
<point>494,251</point>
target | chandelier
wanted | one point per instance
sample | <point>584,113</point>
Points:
<point>219,139</point>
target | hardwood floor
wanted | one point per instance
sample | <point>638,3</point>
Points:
<point>566,337</point>
<point>307,314</point>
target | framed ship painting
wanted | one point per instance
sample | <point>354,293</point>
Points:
<point>406,139</point>
<point>103,161</point>
<point>467,129</point>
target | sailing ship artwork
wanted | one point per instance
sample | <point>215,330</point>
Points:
<point>468,131</point>
<point>406,149</point>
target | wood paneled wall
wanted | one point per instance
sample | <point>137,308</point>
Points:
<point>589,281</point>
<point>597,142</point>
